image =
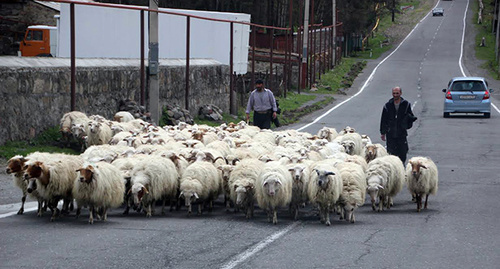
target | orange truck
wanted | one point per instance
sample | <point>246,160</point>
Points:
<point>39,40</point>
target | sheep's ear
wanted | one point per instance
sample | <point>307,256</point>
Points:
<point>91,168</point>
<point>291,169</point>
<point>78,170</point>
<point>145,190</point>
<point>181,195</point>
<point>279,182</point>
<point>330,174</point>
<point>380,187</point>
<point>423,166</point>
<point>196,196</point>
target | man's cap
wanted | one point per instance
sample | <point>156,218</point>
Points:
<point>259,81</point>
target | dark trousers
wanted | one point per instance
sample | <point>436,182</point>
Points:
<point>398,146</point>
<point>263,121</point>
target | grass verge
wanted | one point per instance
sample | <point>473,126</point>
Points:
<point>48,141</point>
<point>486,52</point>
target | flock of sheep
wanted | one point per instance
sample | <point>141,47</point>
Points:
<point>130,162</point>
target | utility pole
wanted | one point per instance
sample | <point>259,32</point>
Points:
<point>393,9</point>
<point>304,46</point>
<point>334,29</point>
<point>153,64</point>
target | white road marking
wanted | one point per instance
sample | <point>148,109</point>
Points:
<point>259,246</point>
<point>28,207</point>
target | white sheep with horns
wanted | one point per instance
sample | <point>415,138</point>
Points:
<point>385,177</point>
<point>100,186</point>
<point>422,179</point>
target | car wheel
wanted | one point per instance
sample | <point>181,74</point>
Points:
<point>487,115</point>
<point>446,114</point>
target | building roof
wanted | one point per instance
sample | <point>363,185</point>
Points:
<point>55,5</point>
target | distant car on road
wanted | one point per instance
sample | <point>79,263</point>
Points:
<point>467,95</point>
<point>438,11</point>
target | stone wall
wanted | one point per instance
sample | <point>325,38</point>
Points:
<point>34,99</point>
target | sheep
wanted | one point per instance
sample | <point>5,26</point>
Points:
<point>153,178</point>
<point>125,166</point>
<point>242,184</point>
<point>123,116</point>
<point>199,183</point>
<point>98,133</point>
<point>327,133</point>
<point>300,175</point>
<point>373,151</point>
<point>324,188</point>
<point>422,179</point>
<point>16,167</point>
<point>384,177</point>
<point>366,140</point>
<point>66,122</point>
<point>357,160</point>
<point>54,179</point>
<point>221,146</point>
<point>352,143</point>
<point>273,189</point>
<point>107,152</point>
<point>100,186</point>
<point>353,191</point>
<point>226,170</point>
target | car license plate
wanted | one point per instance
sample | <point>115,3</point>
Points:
<point>467,97</point>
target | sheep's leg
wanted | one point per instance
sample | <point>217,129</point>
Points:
<point>419,202</point>
<point>251,209</point>
<point>149,211</point>
<point>227,202</point>
<point>275,216</point>
<point>352,217</point>
<point>381,204</point>
<point>210,205</point>
<point>40,207</point>
<point>163,206</point>
<point>426,198</point>
<point>127,208</point>
<point>78,211</point>
<point>45,205</point>
<point>327,217</point>
<point>200,206</point>
<point>296,211</point>
<point>91,215</point>
<point>23,200</point>
<point>321,214</point>
<point>342,213</point>
<point>413,198</point>
<point>152,207</point>
<point>268,211</point>
<point>104,214</point>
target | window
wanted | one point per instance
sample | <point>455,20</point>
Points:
<point>34,35</point>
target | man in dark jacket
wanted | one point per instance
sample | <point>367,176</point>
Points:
<point>397,116</point>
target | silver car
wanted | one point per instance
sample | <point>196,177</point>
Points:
<point>438,11</point>
<point>467,95</point>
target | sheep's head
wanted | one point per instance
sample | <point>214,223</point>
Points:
<point>323,178</point>
<point>296,172</point>
<point>78,130</point>
<point>374,186</point>
<point>226,171</point>
<point>94,126</point>
<point>349,146</point>
<point>86,174</point>
<point>33,170</point>
<point>189,198</point>
<point>31,185</point>
<point>272,184</point>
<point>15,164</point>
<point>242,192</point>
<point>138,191</point>
<point>415,168</point>
<point>371,152</point>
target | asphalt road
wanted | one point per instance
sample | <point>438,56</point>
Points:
<point>459,230</point>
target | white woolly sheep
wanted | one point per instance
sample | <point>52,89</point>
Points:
<point>353,190</point>
<point>352,143</point>
<point>422,179</point>
<point>123,116</point>
<point>374,151</point>
<point>242,184</point>
<point>327,133</point>
<point>153,178</point>
<point>273,189</point>
<point>68,120</point>
<point>98,133</point>
<point>324,188</point>
<point>16,167</point>
<point>199,183</point>
<point>107,153</point>
<point>366,140</point>
<point>99,186</point>
<point>301,174</point>
<point>54,179</point>
<point>385,176</point>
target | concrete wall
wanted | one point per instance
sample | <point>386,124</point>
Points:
<point>35,98</point>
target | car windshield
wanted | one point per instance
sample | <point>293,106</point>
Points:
<point>468,86</point>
